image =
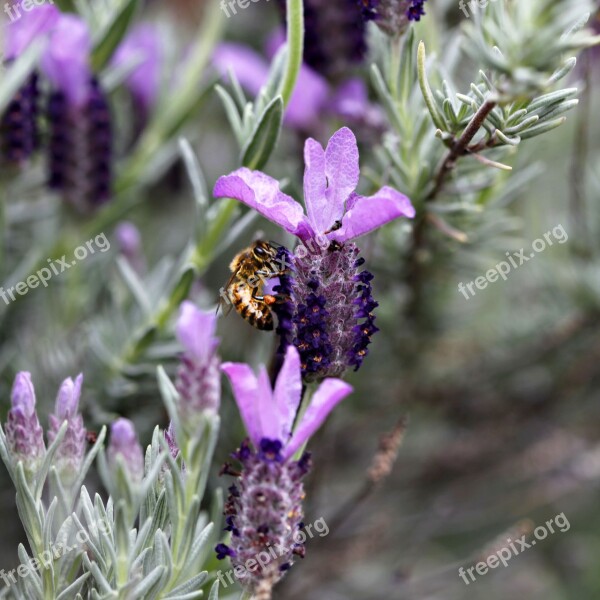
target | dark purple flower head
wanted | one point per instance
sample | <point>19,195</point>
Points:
<point>33,25</point>
<point>69,455</point>
<point>142,48</point>
<point>198,378</point>
<point>331,301</point>
<point>18,125</point>
<point>80,140</point>
<point>335,35</point>
<point>124,444</point>
<point>24,433</point>
<point>394,16</point>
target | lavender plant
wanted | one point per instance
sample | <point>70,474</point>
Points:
<point>103,108</point>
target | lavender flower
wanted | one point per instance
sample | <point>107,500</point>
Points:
<point>198,379</point>
<point>80,144</point>
<point>335,35</point>
<point>393,16</point>
<point>18,126</point>
<point>141,48</point>
<point>124,447</point>
<point>310,94</point>
<point>129,241</point>
<point>69,455</point>
<point>313,95</point>
<point>333,319</point>
<point>24,433</point>
<point>264,509</point>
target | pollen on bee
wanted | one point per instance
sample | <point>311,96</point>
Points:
<point>268,299</point>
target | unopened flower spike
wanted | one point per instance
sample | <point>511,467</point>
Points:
<point>264,510</point>
<point>124,444</point>
<point>80,143</point>
<point>71,451</point>
<point>330,319</point>
<point>198,378</point>
<point>24,433</point>
<point>19,131</point>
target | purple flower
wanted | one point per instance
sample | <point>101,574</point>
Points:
<point>142,48</point>
<point>129,241</point>
<point>19,134</point>
<point>264,509</point>
<point>124,444</point>
<point>394,16</point>
<point>269,414</point>
<point>332,312</point>
<point>69,455</point>
<point>310,94</point>
<point>32,25</point>
<point>198,379</point>
<point>80,141</point>
<point>24,433</point>
<point>313,97</point>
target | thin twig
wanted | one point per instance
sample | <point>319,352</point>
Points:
<point>460,147</point>
<point>381,467</point>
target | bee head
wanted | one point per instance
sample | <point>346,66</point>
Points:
<point>261,250</point>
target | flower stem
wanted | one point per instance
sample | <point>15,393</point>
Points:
<point>295,48</point>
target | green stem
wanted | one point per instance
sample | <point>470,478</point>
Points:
<point>295,48</point>
<point>395,59</point>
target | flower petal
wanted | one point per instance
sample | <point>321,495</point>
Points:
<point>308,99</point>
<point>262,193</point>
<point>31,26</point>
<point>195,330</point>
<point>342,169</point>
<point>327,396</point>
<point>66,61</point>
<point>315,182</point>
<point>266,409</point>
<point>245,391</point>
<point>142,47</point>
<point>249,67</point>
<point>364,214</point>
<point>288,392</point>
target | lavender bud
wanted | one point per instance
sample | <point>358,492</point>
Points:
<point>199,376</point>
<point>124,443</point>
<point>24,433</point>
<point>393,16</point>
<point>69,455</point>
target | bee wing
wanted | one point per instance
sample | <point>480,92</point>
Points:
<point>222,302</point>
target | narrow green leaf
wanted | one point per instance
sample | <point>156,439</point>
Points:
<point>434,111</point>
<point>112,34</point>
<point>260,146</point>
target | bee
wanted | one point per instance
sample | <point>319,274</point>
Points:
<point>250,269</point>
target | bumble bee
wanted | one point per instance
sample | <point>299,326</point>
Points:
<point>250,269</point>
